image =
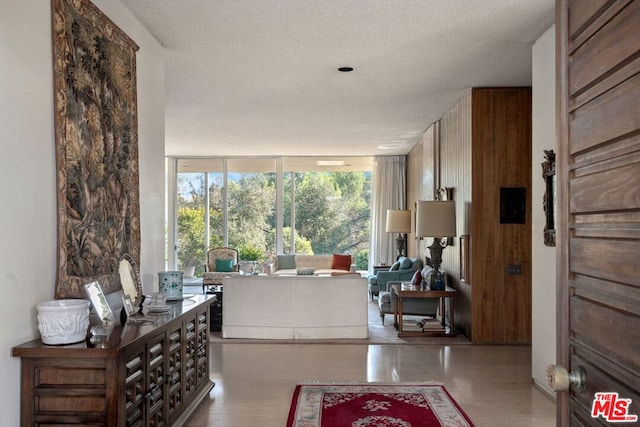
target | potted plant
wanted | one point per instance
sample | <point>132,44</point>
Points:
<point>189,271</point>
<point>250,258</point>
<point>191,247</point>
<point>190,259</point>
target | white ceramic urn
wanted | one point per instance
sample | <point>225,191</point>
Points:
<point>63,321</point>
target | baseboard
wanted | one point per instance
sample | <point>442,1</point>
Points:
<point>545,390</point>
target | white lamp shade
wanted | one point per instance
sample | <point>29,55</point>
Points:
<point>435,218</point>
<point>398,221</point>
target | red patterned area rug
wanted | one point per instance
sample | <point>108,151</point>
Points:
<point>375,405</point>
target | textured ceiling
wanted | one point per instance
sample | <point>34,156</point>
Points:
<point>259,77</point>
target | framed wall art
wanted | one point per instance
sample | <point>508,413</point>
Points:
<point>96,141</point>
<point>513,205</point>
<point>549,200</point>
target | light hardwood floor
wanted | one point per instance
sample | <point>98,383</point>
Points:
<point>254,382</point>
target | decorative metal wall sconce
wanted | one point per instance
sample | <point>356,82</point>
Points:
<point>445,193</point>
<point>549,201</point>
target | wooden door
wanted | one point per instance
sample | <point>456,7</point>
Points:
<point>598,168</point>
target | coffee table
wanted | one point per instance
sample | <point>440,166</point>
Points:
<point>405,290</point>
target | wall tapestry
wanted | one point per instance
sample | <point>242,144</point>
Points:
<point>96,132</point>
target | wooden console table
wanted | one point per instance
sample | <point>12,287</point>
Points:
<point>399,292</point>
<point>143,374</point>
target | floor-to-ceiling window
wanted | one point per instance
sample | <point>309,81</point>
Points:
<point>199,212</point>
<point>265,206</point>
<point>251,219</point>
<point>332,206</point>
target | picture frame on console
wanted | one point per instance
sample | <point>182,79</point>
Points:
<point>127,306</point>
<point>100,304</point>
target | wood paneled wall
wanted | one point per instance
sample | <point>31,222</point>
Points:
<point>501,157</point>
<point>421,175</point>
<point>483,144</point>
<point>455,151</point>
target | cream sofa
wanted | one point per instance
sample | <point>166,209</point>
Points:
<point>311,264</point>
<point>295,307</point>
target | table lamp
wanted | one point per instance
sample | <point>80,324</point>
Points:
<point>399,221</point>
<point>436,219</point>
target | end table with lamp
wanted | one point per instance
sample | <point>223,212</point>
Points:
<point>437,219</point>
<point>400,292</point>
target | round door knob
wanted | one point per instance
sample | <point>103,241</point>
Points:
<point>559,379</point>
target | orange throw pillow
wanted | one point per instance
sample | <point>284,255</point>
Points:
<point>341,262</point>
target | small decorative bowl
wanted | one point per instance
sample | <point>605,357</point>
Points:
<point>63,321</point>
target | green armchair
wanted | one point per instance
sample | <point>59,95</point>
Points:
<point>401,271</point>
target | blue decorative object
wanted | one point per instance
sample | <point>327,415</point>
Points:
<point>438,282</point>
<point>170,284</point>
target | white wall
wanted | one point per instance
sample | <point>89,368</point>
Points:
<point>543,257</point>
<point>27,172</point>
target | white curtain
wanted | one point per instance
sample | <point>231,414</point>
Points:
<point>388,192</point>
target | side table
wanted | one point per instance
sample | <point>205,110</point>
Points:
<point>215,315</point>
<point>380,267</point>
<point>406,290</point>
